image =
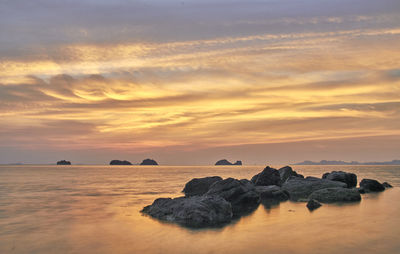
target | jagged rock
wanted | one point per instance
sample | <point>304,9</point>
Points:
<point>371,185</point>
<point>387,185</point>
<point>287,172</point>
<point>269,176</point>
<point>196,211</point>
<point>331,195</point>
<point>348,178</point>
<point>148,162</point>
<point>63,162</point>
<point>118,162</point>
<point>199,186</point>
<point>312,204</point>
<point>225,162</point>
<point>299,188</point>
<point>241,194</point>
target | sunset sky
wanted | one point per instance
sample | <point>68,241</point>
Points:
<point>190,82</point>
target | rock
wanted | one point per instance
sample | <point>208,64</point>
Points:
<point>312,204</point>
<point>199,186</point>
<point>370,185</point>
<point>225,162</point>
<point>238,163</point>
<point>274,196</point>
<point>261,189</point>
<point>348,178</point>
<point>269,176</point>
<point>287,172</point>
<point>331,195</point>
<point>196,211</point>
<point>241,194</point>
<point>299,188</point>
<point>387,185</point>
<point>361,190</point>
<point>118,162</point>
<point>148,162</point>
<point>63,162</point>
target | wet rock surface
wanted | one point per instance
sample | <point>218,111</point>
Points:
<point>199,186</point>
<point>371,185</point>
<point>348,178</point>
<point>269,176</point>
<point>197,211</point>
<point>331,195</point>
<point>299,188</point>
<point>313,204</point>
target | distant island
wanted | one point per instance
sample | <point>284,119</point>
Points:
<point>63,162</point>
<point>149,162</point>
<point>118,162</point>
<point>226,162</point>
<point>326,162</point>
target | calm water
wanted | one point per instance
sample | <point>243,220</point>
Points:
<point>95,209</point>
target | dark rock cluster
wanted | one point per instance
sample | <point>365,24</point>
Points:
<point>213,201</point>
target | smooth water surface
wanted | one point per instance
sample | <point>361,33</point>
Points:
<point>96,209</point>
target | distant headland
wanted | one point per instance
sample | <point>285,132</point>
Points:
<point>226,162</point>
<point>149,162</point>
<point>119,162</point>
<point>326,162</point>
<point>63,162</point>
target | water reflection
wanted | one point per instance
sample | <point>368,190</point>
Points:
<point>38,214</point>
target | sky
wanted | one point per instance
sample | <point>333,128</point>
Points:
<point>190,82</point>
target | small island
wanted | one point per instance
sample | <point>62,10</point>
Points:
<point>225,162</point>
<point>118,162</point>
<point>149,162</point>
<point>63,162</point>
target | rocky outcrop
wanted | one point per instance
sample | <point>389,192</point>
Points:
<point>199,186</point>
<point>269,176</point>
<point>312,204</point>
<point>225,162</point>
<point>348,178</point>
<point>299,188</point>
<point>387,185</point>
<point>197,211</point>
<point>331,195</point>
<point>149,162</point>
<point>371,185</point>
<point>287,172</point>
<point>63,162</point>
<point>241,194</point>
<point>118,162</point>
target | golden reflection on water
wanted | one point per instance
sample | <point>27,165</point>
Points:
<point>98,212</point>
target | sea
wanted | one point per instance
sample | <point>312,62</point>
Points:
<point>96,209</point>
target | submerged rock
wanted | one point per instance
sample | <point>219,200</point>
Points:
<point>241,194</point>
<point>225,162</point>
<point>299,188</point>
<point>387,185</point>
<point>148,162</point>
<point>331,195</point>
<point>312,204</point>
<point>348,178</point>
<point>63,162</point>
<point>287,172</point>
<point>118,162</point>
<point>196,211</point>
<point>199,186</point>
<point>269,176</point>
<point>371,185</point>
